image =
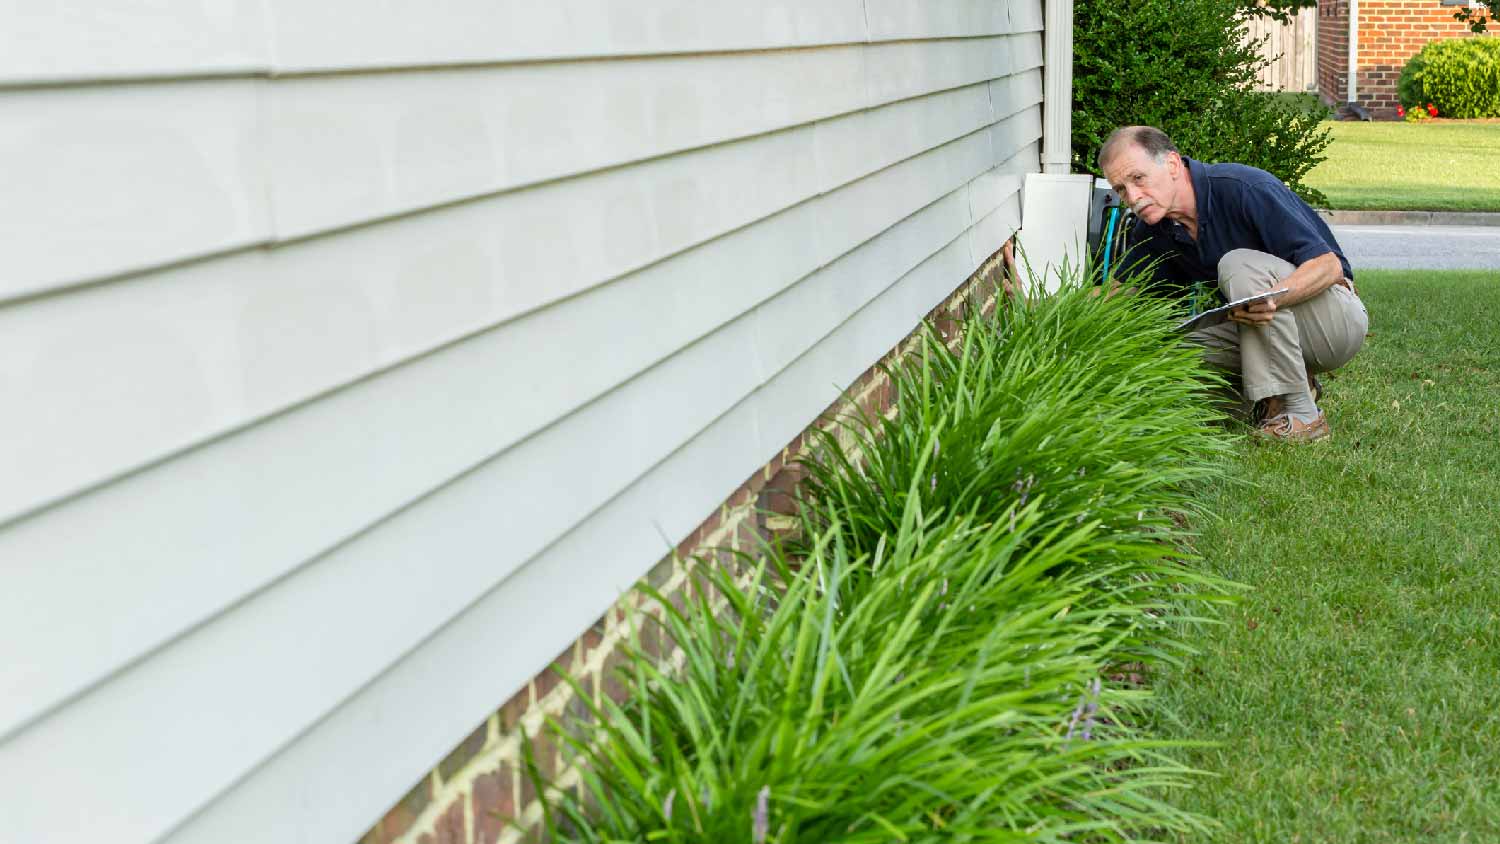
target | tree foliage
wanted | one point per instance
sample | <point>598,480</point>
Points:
<point>1277,10</point>
<point>1184,66</point>
<point>1478,19</point>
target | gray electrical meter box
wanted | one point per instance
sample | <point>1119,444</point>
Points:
<point>1100,199</point>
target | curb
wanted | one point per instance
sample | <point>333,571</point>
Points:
<point>1410,218</point>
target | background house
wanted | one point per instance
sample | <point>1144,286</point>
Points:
<point>1383,35</point>
<point>358,355</point>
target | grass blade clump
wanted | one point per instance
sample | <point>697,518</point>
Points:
<point>932,660</point>
<point>1089,401</point>
<point>960,700</point>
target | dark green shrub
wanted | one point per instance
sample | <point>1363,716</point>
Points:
<point>1182,65</point>
<point>1460,76</point>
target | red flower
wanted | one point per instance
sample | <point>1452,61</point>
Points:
<point>1432,109</point>
<point>1400,111</point>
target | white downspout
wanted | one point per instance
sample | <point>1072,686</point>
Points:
<point>1354,51</point>
<point>1057,88</point>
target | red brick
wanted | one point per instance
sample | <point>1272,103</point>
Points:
<point>466,750</point>
<point>779,496</point>
<point>451,825</point>
<point>494,804</point>
<point>614,678</point>
<point>543,684</point>
<point>590,641</point>
<point>401,816</point>
<point>514,709</point>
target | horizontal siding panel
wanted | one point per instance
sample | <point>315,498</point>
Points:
<point>785,405</point>
<point>1015,132</point>
<point>146,587</point>
<point>140,176</point>
<point>787,324</point>
<point>248,678</point>
<point>1004,181</point>
<point>309,317</point>
<point>64,40</point>
<point>351,149</point>
<point>183,176</point>
<point>350,34</point>
<point>69,41</point>
<point>1013,93</point>
<point>903,19</point>
<point>260,330</point>
<point>1027,15</point>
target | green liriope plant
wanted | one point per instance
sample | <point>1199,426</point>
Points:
<point>929,662</point>
<point>1091,400</point>
<point>954,695</point>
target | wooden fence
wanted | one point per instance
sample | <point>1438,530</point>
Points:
<point>1291,48</point>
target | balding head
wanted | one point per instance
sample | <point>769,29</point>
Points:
<point>1151,140</point>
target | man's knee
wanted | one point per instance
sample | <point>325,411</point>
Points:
<point>1245,272</point>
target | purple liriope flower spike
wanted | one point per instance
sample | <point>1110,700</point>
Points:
<point>760,822</point>
<point>1091,708</point>
<point>1073,724</point>
<point>934,449</point>
<point>933,486</point>
<point>666,806</point>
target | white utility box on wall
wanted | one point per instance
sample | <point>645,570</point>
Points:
<point>1054,227</point>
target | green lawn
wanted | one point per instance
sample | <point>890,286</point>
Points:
<point>1355,692</point>
<point>1430,166</point>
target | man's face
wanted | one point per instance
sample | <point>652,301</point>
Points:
<point>1149,188</point>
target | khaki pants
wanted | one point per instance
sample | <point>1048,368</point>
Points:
<point>1318,335</point>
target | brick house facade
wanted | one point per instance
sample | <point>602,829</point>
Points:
<point>1388,32</point>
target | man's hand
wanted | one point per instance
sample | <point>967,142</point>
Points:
<point>1307,281</point>
<point>1255,313</point>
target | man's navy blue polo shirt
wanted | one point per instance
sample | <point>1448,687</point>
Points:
<point>1239,207</point>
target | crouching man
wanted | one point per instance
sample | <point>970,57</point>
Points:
<point>1242,227</point>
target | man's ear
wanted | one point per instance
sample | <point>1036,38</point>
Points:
<point>1175,167</point>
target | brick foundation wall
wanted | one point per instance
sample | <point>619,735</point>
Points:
<point>478,793</point>
<point>1333,51</point>
<point>1390,32</point>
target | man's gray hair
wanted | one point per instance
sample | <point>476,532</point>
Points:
<point>1152,140</point>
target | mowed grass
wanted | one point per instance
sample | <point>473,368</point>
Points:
<point>1428,166</point>
<point>1355,692</point>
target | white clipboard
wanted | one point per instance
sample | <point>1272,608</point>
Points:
<point>1214,316</point>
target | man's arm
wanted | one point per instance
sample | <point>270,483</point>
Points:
<point>1308,280</point>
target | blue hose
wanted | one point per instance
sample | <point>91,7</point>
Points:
<point>1109,237</point>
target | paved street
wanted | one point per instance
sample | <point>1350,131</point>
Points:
<point>1420,247</point>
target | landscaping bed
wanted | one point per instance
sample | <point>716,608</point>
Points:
<point>949,648</point>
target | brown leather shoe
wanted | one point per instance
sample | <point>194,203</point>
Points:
<point>1285,428</point>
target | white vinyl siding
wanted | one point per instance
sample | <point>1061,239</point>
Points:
<point>350,375</point>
